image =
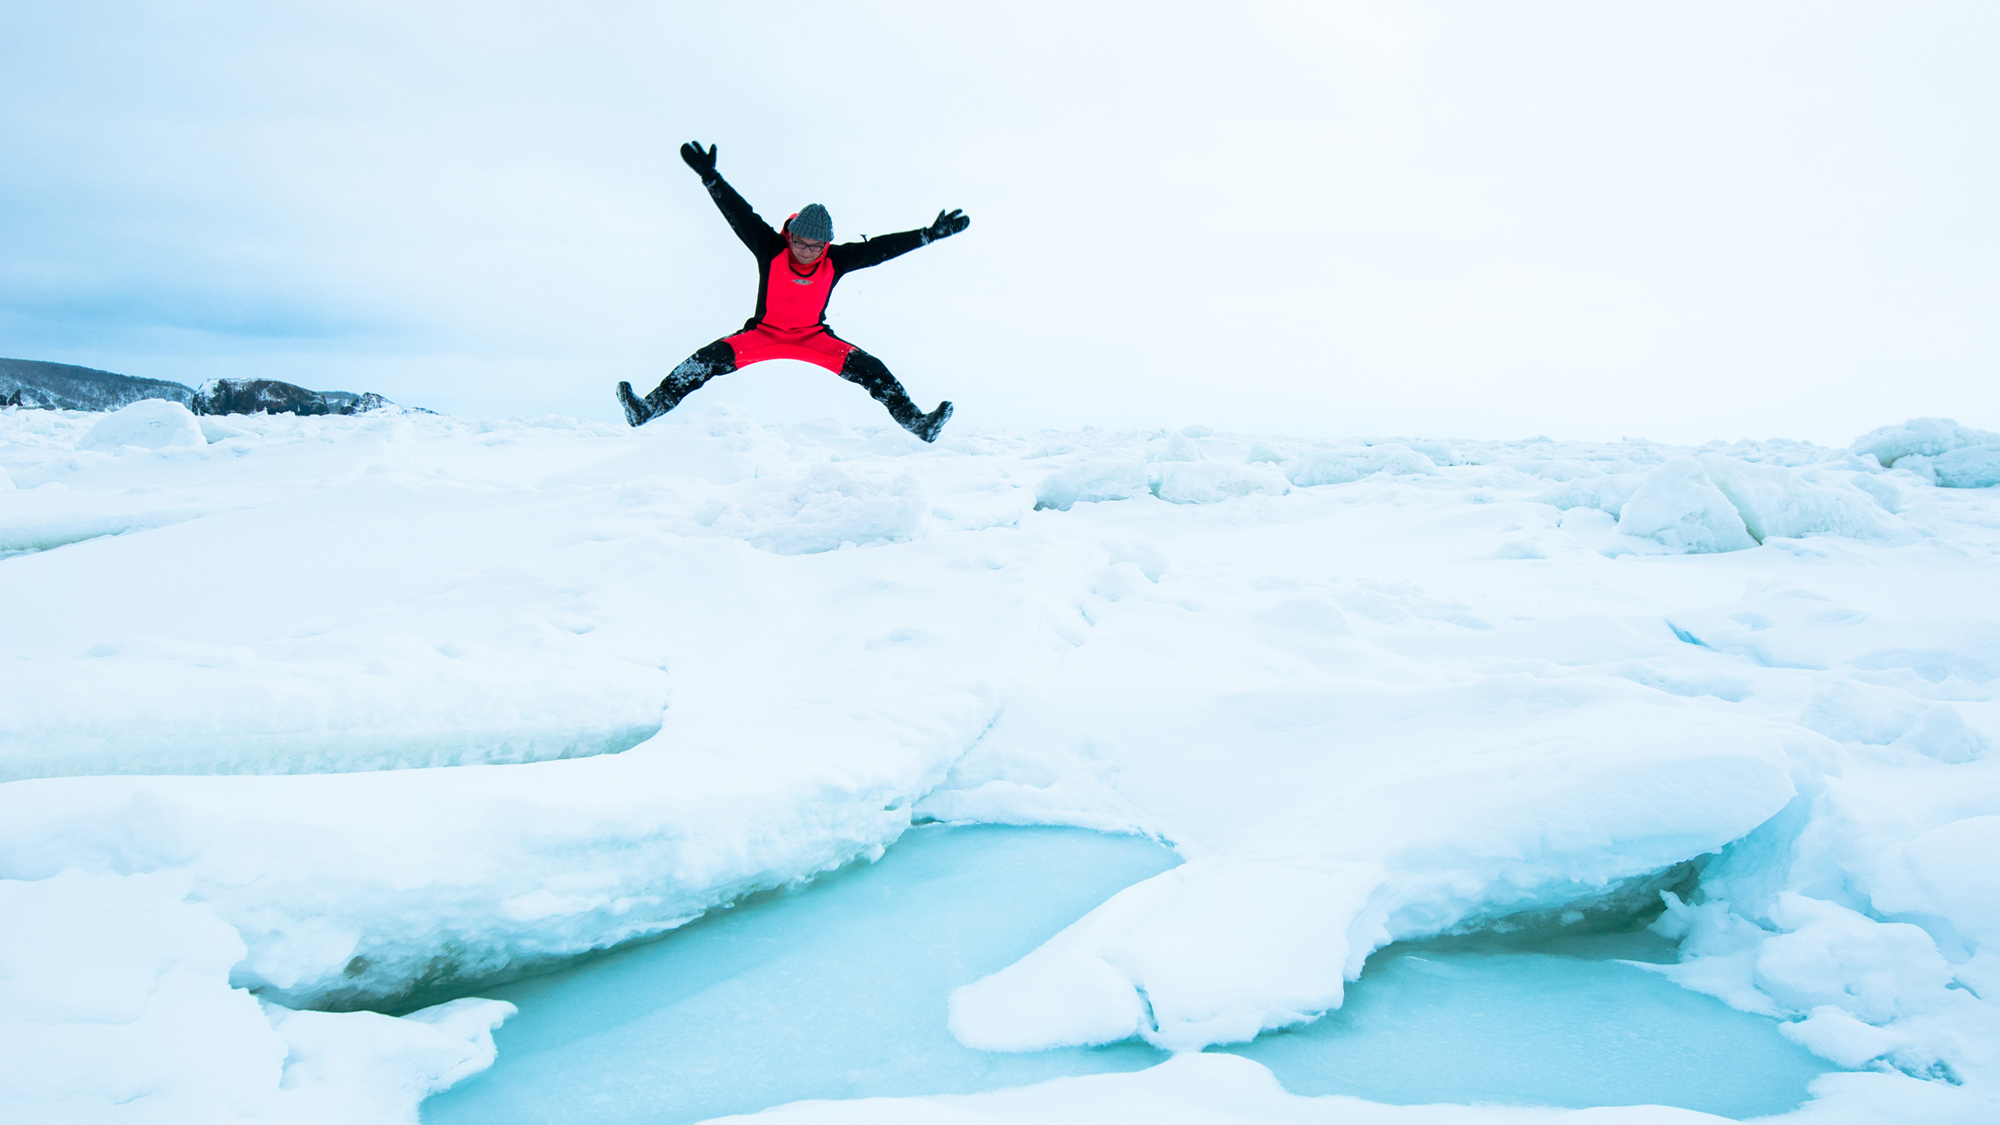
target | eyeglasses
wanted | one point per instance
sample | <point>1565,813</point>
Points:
<point>807,243</point>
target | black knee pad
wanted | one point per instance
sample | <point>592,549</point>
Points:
<point>864,369</point>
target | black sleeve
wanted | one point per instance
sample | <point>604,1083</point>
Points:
<point>874,251</point>
<point>754,231</point>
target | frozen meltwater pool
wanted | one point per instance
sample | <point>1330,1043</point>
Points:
<point>838,990</point>
<point>1536,1021</point>
<point>833,990</point>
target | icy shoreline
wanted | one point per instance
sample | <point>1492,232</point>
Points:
<point>1370,691</point>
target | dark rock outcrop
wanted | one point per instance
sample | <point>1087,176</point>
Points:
<point>249,396</point>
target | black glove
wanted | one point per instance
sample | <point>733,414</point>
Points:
<point>948,223</point>
<point>702,162</point>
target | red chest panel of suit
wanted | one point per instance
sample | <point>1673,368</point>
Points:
<point>795,300</point>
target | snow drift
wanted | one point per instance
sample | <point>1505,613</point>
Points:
<point>146,424</point>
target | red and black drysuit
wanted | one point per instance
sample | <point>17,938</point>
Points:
<point>791,314</point>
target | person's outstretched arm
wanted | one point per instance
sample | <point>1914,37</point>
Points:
<point>752,229</point>
<point>874,251</point>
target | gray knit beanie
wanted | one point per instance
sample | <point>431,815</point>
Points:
<point>813,222</point>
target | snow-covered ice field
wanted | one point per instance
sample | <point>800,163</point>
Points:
<point>307,720</point>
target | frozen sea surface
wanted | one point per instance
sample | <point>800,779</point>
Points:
<point>836,990</point>
<point>306,720</point>
<point>1559,1023</point>
<point>833,990</point>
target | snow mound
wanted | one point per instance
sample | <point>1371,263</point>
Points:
<point>1211,482</point>
<point>1678,507</point>
<point>1857,989</point>
<point>1829,955</point>
<point>147,424</point>
<point>115,1004</point>
<point>1178,447</point>
<point>1925,437</point>
<point>1606,492</point>
<point>1341,466</point>
<point>365,1066</point>
<point>102,977</point>
<point>1092,481</point>
<point>1973,466</point>
<point>1927,877</point>
<point>1777,501</point>
<point>1713,503</point>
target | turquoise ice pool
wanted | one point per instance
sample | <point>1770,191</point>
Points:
<point>838,990</point>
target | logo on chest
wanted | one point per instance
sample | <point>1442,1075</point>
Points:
<point>802,281</point>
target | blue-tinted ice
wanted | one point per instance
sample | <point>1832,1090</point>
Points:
<point>837,990</point>
<point>1492,1020</point>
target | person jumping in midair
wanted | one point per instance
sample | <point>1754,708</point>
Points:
<point>796,272</point>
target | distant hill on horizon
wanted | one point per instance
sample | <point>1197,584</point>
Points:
<point>34,382</point>
<point>64,386</point>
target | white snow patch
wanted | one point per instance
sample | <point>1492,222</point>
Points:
<point>147,424</point>
<point>1341,466</point>
<point>1223,1089</point>
<point>1092,481</point>
<point>1211,482</point>
<point>823,509</point>
<point>1604,492</point>
<point>1976,466</point>
<point>115,1004</point>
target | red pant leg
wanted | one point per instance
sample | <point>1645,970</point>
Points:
<point>815,346</point>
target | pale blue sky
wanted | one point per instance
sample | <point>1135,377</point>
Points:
<point>1674,220</point>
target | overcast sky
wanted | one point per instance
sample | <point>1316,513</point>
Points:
<point>1682,220</point>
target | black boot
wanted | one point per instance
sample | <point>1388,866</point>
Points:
<point>715,359</point>
<point>665,397</point>
<point>927,426</point>
<point>636,411</point>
